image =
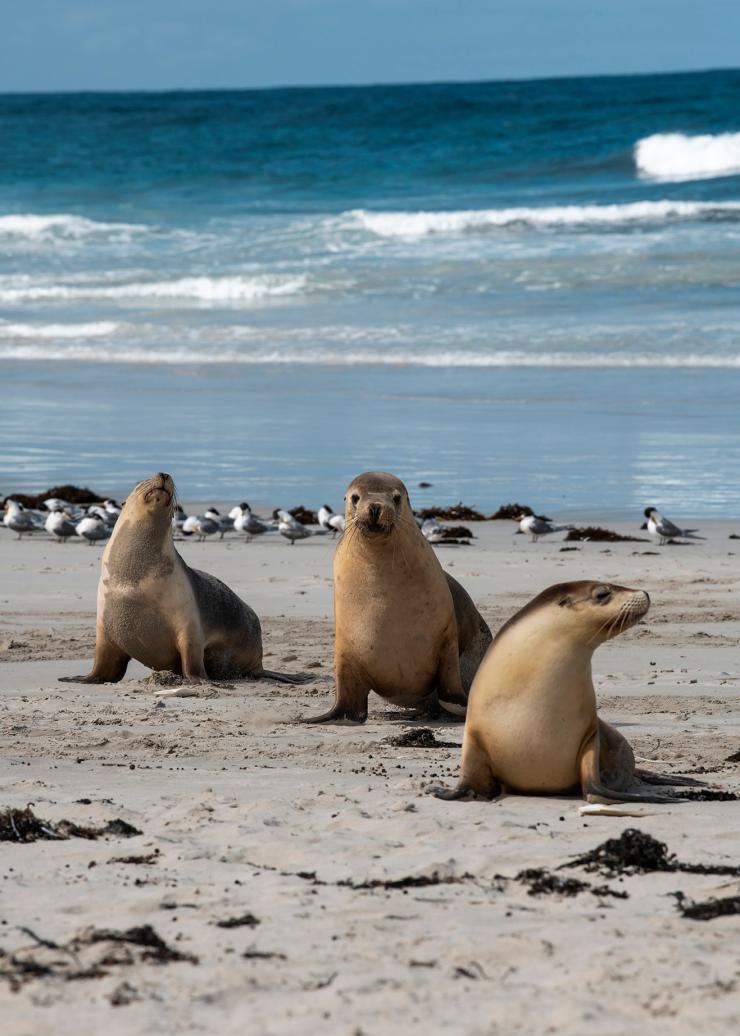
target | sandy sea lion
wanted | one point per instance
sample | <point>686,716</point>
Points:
<point>168,616</point>
<point>531,724</point>
<point>404,627</point>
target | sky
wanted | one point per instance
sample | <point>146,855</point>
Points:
<point>57,45</point>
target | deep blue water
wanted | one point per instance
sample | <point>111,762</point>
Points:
<point>535,285</point>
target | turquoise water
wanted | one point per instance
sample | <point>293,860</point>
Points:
<point>513,290</point>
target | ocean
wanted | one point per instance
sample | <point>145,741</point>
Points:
<point>519,291</point>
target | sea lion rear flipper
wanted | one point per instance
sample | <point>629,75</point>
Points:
<point>595,791</point>
<point>462,792</point>
<point>293,678</point>
<point>660,778</point>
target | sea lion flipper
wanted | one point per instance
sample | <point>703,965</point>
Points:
<point>594,790</point>
<point>109,666</point>
<point>352,693</point>
<point>461,792</point>
<point>291,678</point>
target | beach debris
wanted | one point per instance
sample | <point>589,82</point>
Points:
<point>425,485</point>
<point>708,909</point>
<point>419,737</point>
<point>143,858</point>
<point>707,795</point>
<point>635,852</point>
<point>252,954</point>
<point>512,511</point>
<point>603,809</point>
<point>595,534</point>
<point>733,536</point>
<point>247,920</point>
<point>22,825</point>
<point>540,881</point>
<point>92,953</point>
<point>459,512</point>
<point>734,758</point>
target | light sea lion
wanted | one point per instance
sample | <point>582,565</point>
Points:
<point>404,627</point>
<point>153,607</point>
<point>531,724</point>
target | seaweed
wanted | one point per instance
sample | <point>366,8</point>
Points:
<point>512,511</point>
<point>459,512</point>
<point>635,852</point>
<point>595,534</point>
<point>304,516</point>
<point>419,737</point>
<point>89,954</point>
<point>22,825</point>
<point>246,920</point>
<point>72,494</point>
<point>544,882</point>
<point>708,909</point>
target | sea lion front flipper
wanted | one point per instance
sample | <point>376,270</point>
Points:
<point>352,693</point>
<point>109,666</point>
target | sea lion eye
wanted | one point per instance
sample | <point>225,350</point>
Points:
<point>355,498</point>
<point>396,498</point>
<point>602,593</point>
<point>564,602</point>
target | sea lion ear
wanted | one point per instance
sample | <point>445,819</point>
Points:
<point>565,602</point>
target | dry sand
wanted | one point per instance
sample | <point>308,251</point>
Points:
<point>242,811</point>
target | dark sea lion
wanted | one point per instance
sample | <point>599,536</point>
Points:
<point>153,607</point>
<point>404,627</point>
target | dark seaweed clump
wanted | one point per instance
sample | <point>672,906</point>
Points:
<point>72,494</point>
<point>22,825</point>
<point>635,852</point>
<point>709,908</point>
<point>595,534</point>
<point>457,532</point>
<point>541,882</point>
<point>246,920</point>
<point>90,954</point>
<point>511,511</point>
<point>457,513</point>
<point>419,737</point>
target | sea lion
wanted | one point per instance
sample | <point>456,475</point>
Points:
<point>168,616</point>
<point>404,627</point>
<point>531,724</point>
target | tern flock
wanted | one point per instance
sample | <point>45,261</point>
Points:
<point>94,523</point>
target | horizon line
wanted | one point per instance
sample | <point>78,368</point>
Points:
<point>379,84</point>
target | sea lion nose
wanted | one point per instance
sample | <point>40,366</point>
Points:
<point>374,513</point>
<point>163,475</point>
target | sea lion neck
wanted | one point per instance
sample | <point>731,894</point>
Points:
<point>141,546</point>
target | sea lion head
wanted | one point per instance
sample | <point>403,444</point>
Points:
<point>154,499</point>
<point>586,611</point>
<point>376,503</point>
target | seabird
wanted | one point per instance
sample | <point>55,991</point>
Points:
<point>246,522</point>
<point>60,525</point>
<point>92,528</point>
<point>202,526</point>
<point>17,518</point>
<point>291,529</point>
<point>659,526</point>
<point>538,526</point>
<point>330,521</point>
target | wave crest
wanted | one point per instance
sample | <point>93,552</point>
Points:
<point>182,289</point>
<point>370,357</point>
<point>422,224</point>
<point>675,156</point>
<point>63,227</point>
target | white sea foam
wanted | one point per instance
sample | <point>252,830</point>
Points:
<point>675,156</point>
<point>62,226</point>
<point>421,224</point>
<point>196,289</point>
<point>337,358</point>
<point>95,329</point>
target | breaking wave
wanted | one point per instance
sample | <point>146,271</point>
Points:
<point>62,226</point>
<point>94,329</point>
<point>196,289</point>
<point>675,156</point>
<point>371,357</point>
<point>421,224</point>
